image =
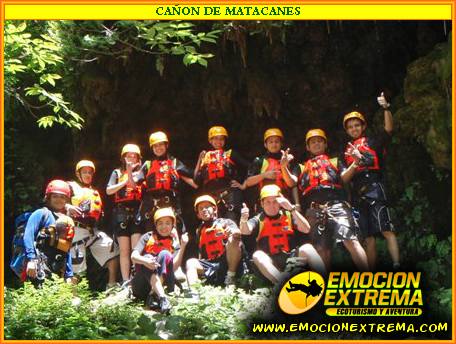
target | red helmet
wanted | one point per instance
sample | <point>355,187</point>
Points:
<point>59,187</point>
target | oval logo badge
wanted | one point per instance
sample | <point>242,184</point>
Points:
<point>301,292</point>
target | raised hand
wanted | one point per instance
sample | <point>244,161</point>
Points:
<point>354,152</point>
<point>286,157</point>
<point>382,101</point>
<point>284,203</point>
<point>184,239</point>
<point>244,212</point>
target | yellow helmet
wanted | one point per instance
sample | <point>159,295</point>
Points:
<point>205,198</point>
<point>354,114</point>
<point>164,212</point>
<point>84,163</point>
<point>157,137</point>
<point>130,148</point>
<point>273,132</point>
<point>216,131</point>
<point>269,190</point>
<point>315,132</point>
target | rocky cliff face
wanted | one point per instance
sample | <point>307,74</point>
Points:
<point>296,77</point>
<point>305,75</point>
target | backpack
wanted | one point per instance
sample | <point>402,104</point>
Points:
<point>18,256</point>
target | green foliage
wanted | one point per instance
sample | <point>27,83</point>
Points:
<point>32,61</point>
<point>48,314</point>
<point>42,59</point>
<point>440,302</point>
<point>220,314</point>
<point>90,41</point>
<point>414,205</point>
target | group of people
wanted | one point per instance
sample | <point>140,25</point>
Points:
<point>302,211</point>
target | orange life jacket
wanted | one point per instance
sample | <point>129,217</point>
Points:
<point>217,164</point>
<point>365,149</point>
<point>155,244</point>
<point>271,164</point>
<point>320,170</point>
<point>277,232</point>
<point>126,194</point>
<point>88,200</point>
<point>161,175</point>
<point>212,242</point>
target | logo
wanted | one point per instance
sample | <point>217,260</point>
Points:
<point>301,292</point>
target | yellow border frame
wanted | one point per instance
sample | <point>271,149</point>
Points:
<point>367,9</point>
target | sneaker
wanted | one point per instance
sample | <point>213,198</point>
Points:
<point>165,305</point>
<point>112,287</point>
<point>192,295</point>
<point>125,284</point>
<point>230,280</point>
<point>152,302</point>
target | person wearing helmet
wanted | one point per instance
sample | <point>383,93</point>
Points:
<point>86,211</point>
<point>277,230</point>
<point>127,196</point>
<point>365,157</point>
<point>216,172</point>
<point>156,256</point>
<point>266,169</point>
<point>219,245</point>
<point>322,197</point>
<point>48,236</point>
<point>161,177</point>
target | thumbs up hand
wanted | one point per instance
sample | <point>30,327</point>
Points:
<point>382,101</point>
<point>244,213</point>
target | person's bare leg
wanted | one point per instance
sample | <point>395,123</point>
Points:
<point>233,253</point>
<point>371,252</point>
<point>156,285</point>
<point>113,267</point>
<point>314,260</point>
<point>193,268</point>
<point>134,239</point>
<point>393,247</point>
<point>266,266</point>
<point>125,264</point>
<point>358,254</point>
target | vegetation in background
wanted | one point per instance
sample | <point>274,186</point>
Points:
<point>42,62</point>
<point>39,54</point>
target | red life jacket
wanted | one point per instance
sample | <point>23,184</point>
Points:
<point>155,244</point>
<point>88,200</point>
<point>161,175</point>
<point>320,170</point>
<point>126,194</point>
<point>212,242</point>
<point>277,232</point>
<point>364,148</point>
<point>271,164</point>
<point>217,164</point>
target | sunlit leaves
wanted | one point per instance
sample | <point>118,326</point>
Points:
<point>33,60</point>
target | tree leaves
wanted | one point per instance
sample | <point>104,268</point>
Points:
<point>34,59</point>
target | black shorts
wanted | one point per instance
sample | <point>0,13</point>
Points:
<point>123,221</point>
<point>335,224</point>
<point>140,283</point>
<point>229,202</point>
<point>215,270</point>
<point>374,215</point>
